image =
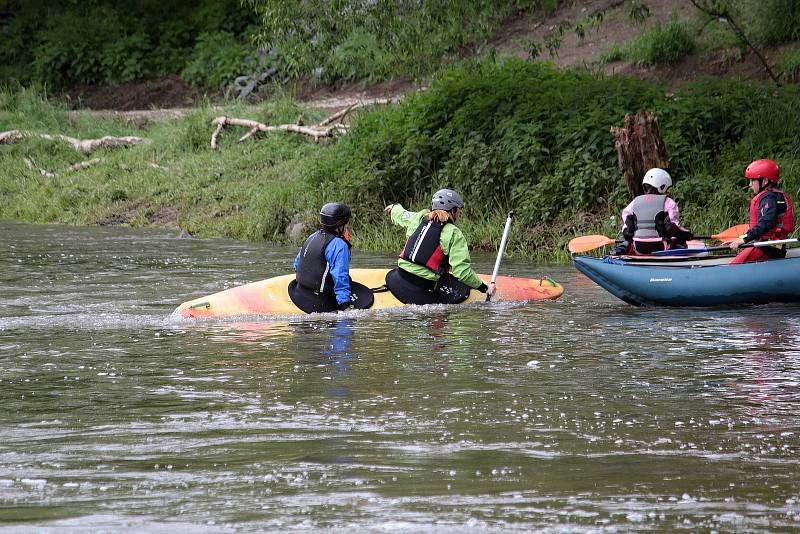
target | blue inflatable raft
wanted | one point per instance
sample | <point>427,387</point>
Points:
<point>704,281</point>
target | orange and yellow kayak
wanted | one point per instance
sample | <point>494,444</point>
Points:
<point>271,296</point>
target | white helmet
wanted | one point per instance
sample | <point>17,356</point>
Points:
<point>658,178</point>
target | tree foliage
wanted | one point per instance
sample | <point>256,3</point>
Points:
<point>367,40</point>
<point>534,138</point>
<point>110,41</point>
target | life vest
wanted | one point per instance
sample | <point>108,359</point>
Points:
<point>784,224</point>
<point>313,271</point>
<point>422,248</point>
<point>646,208</point>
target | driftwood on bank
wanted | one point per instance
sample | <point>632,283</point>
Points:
<point>639,148</point>
<point>254,127</point>
<point>327,128</point>
<point>72,168</point>
<point>86,146</point>
<point>84,164</point>
<point>32,166</point>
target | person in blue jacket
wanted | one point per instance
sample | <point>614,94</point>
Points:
<point>323,263</point>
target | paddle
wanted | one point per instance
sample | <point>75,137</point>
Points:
<point>729,234</point>
<point>500,251</point>
<point>590,242</point>
<point>585,243</point>
<point>684,251</point>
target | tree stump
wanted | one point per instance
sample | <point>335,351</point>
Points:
<point>639,149</point>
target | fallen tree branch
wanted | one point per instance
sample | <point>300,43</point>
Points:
<point>10,137</point>
<point>327,128</point>
<point>215,135</point>
<point>252,132</point>
<point>90,145</point>
<point>356,105</point>
<point>84,164</point>
<point>72,168</point>
<point>31,165</point>
<point>317,132</point>
<point>339,114</point>
<point>81,145</point>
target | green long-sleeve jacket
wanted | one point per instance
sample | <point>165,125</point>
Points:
<point>452,242</point>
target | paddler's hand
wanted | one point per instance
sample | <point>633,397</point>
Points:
<point>388,209</point>
<point>735,244</point>
<point>492,289</point>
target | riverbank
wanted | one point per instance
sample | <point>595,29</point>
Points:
<point>509,135</point>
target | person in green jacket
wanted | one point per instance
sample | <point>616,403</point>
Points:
<point>434,265</point>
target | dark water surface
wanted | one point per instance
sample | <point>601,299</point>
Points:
<point>579,415</point>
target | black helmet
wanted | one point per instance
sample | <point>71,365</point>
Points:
<point>333,214</point>
<point>446,199</point>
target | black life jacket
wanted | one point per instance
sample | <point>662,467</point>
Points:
<point>422,248</point>
<point>313,271</point>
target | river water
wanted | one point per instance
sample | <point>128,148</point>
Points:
<point>579,415</point>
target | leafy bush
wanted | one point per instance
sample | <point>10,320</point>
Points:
<point>789,66</point>
<point>73,48</point>
<point>359,40</point>
<point>106,41</point>
<point>536,139</point>
<point>492,131</point>
<point>776,21</point>
<point>359,57</point>
<point>707,116</point>
<point>217,58</point>
<point>172,48</point>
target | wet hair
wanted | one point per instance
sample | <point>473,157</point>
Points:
<point>439,215</point>
<point>650,190</point>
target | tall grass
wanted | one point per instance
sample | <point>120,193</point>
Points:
<point>776,21</point>
<point>243,190</point>
<point>788,66</point>
<point>657,46</point>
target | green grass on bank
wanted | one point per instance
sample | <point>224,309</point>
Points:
<point>765,23</point>
<point>242,190</point>
<point>510,135</point>
<point>662,45</point>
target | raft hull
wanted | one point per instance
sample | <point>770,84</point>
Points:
<point>271,296</point>
<point>702,282</point>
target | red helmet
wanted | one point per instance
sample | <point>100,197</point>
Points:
<point>763,168</point>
